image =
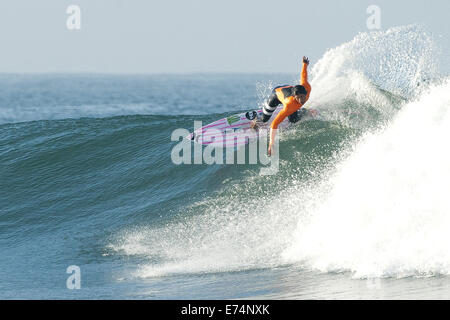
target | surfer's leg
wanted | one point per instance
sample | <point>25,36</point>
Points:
<point>269,107</point>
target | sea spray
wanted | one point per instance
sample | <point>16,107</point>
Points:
<point>388,213</point>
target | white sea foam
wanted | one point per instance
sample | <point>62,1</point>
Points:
<point>388,213</point>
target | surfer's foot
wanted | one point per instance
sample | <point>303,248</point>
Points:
<point>254,125</point>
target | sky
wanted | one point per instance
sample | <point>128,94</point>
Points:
<point>183,36</point>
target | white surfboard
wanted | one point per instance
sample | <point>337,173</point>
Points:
<point>236,130</point>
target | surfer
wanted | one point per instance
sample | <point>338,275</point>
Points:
<point>292,98</point>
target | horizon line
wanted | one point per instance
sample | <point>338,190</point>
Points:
<point>138,73</point>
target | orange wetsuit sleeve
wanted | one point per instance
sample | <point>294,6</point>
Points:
<point>304,75</point>
<point>279,118</point>
<point>290,107</point>
<point>304,80</point>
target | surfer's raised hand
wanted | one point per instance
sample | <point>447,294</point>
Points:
<point>305,60</point>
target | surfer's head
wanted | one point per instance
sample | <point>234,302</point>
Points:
<point>300,94</point>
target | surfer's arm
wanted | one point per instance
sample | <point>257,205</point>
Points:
<point>304,77</point>
<point>304,74</point>
<point>274,126</point>
<point>273,132</point>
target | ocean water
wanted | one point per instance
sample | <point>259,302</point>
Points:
<point>359,208</point>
